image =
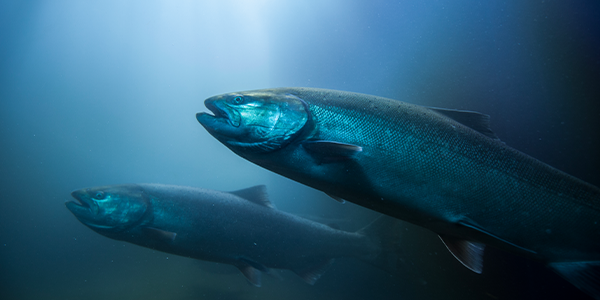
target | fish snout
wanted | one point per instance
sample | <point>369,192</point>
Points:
<point>82,204</point>
<point>80,196</point>
<point>224,119</point>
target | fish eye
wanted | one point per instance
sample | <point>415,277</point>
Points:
<point>99,196</point>
<point>238,100</point>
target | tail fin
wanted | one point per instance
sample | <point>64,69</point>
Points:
<point>385,232</point>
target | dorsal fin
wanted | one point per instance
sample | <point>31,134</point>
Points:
<point>472,119</point>
<point>256,194</point>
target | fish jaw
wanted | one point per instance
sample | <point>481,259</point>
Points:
<point>83,207</point>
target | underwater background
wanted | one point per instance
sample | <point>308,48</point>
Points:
<point>105,92</point>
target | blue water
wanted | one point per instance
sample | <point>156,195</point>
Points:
<point>106,92</point>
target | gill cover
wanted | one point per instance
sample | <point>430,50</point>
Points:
<point>255,121</point>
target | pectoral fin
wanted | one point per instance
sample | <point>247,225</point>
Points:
<point>470,254</point>
<point>159,234</point>
<point>330,151</point>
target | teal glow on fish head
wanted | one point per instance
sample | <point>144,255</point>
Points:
<point>108,208</point>
<point>255,122</point>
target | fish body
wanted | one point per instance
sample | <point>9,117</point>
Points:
<point>240,228</point>
<point>441,169</point>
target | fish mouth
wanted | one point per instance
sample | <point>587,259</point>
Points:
<point>79,199</point>
<point>219,114</point>
<point>81,205</point>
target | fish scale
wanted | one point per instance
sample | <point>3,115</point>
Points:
<point>483,153</point>
<point>241,228</point>
<point>441,169</point>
